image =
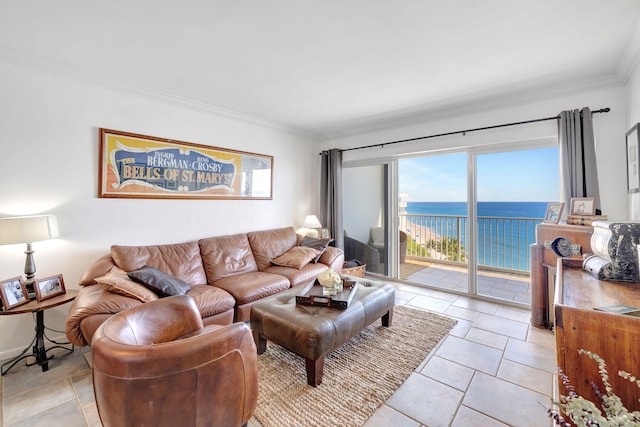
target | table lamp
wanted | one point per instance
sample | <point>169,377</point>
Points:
<point>311,224</point>
<point>28,229</point>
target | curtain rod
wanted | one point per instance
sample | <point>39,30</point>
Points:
<point>463,132</point>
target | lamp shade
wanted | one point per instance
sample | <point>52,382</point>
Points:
<point>311,221</point>
<point>28,229</point>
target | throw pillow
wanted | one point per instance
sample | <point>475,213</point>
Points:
<point>118,282</point>
<point>296,257</point>
<point>159,282</point>
<point>319,244</point>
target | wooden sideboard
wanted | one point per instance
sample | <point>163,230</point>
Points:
<point>543,267</point>
<point>614,337</point>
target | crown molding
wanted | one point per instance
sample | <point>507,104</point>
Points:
<point>630,56</point>
<point>498,97</point>
<point>32,62</point>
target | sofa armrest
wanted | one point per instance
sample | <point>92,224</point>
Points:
<point>100,267</point>
<point>333,258</point>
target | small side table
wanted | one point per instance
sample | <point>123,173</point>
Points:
<point>39,352</point>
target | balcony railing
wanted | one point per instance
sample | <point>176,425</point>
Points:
<point>503,242</point>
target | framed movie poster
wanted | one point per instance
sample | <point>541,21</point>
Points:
<point>140,166</point>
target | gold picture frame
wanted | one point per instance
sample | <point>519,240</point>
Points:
<point>147,167</point>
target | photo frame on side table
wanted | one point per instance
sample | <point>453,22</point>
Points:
<point>582,206</point>
<point>633,170</point>
<point>324,233</point>
<point>13,293</point>
<point>49,287</point>
<point>554,212</point>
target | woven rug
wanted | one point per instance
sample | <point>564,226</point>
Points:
<point>358,377</point>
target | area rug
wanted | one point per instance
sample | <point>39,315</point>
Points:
<point>358,377</point>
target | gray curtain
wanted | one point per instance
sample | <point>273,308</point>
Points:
<point>331,194</point>
<point>578,170</point>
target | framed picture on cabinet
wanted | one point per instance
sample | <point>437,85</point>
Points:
<point>582,206</point>
<point>554,212</point>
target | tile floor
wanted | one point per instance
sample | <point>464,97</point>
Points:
<point>493,369</point>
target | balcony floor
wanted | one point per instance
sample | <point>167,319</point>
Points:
<point>509,287</point>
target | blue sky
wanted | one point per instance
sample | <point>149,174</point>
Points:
<point>520,176</point>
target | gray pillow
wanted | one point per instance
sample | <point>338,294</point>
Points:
<point>159,282</point>
<point>318,244</point>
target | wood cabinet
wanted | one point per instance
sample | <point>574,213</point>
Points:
<point>543,267</point>
<point>614,337</point>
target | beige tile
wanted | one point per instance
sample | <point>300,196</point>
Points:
<point>83,386</point>
<point>427,401</point>
<point>532,355</point>
<point>66,414</point>
<point>506,402</point>
<point>542,337</point>
<point>92,417</point>
<point>462,313</point>
<point>476,305</point>
<point>490,339</point>
<point>429,303</point>
<point>449,373</point>
<point>461,328</point>
<point>473,355</point>
<point>386,416</point>
<point>534,379</point>
<point>41,399</point>
<point>513,313</point>
<point>501,326</point>
<point>467,417</point>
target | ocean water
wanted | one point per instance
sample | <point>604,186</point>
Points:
<point>502,242</point>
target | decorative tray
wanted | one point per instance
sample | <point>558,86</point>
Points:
<point>312,295</point>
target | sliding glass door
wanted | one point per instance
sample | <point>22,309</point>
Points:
<point>366,204</point>
<point>435,220</point>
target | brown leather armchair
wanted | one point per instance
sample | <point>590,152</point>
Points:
<point>156,365</point>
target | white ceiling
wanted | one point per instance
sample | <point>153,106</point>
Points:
<point>329,67</point>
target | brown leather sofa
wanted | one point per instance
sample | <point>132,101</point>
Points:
<point>225,274</point>
<point>157,365</point>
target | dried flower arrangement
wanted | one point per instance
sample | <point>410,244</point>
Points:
<point>585,413</point>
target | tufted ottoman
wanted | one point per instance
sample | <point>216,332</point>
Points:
<point>313,332</point>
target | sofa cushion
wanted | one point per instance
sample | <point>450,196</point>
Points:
<point>296,257</point>
<point>253,286</point>
<point>226,256</point>
<point>181,260</point>
<point>211,300</point>
<point>303,276</point>
<point>161,283</point>
<point>268,244</point>
<point>119,282</point>
<point>318,244</point>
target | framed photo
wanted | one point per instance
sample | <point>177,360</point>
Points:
<point>49,287</point>
<point>582,206</point>
<point>148,167</point>
<point>633,174</point>
<point>13,293</point>
<point>324,233</point>
<point>554,212</point>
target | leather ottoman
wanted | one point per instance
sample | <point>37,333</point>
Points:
<point>312,331</point>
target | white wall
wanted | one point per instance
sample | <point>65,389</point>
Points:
<point>49,137</point>
<point>609,131</point>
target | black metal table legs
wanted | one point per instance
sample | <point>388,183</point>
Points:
<point>39,352</point>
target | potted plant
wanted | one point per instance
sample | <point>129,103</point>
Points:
<point>609,412</point>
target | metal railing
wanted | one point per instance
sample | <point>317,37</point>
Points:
<point>503,242</point>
